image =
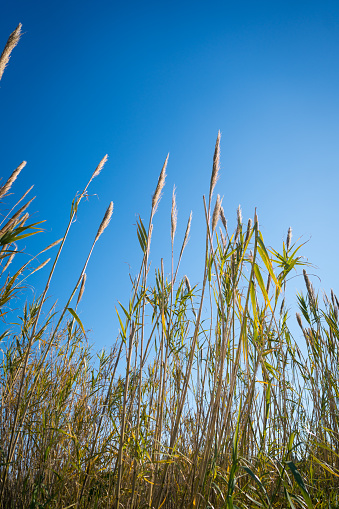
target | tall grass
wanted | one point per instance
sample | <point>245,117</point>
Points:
<point>205,400</point>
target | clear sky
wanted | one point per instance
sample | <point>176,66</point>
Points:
<point>137,80</point>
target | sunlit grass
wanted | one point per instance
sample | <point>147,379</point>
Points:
<point>205,400</point>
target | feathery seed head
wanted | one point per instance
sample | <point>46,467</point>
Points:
<point>269,279</point>
<point>333,296</point>
<point>6,187</point>
<point>10,259</point>
<point>249,228</point>
<point>239,215</point>
<point>174,215</point>
<point>256,221</point>
<point>82,288</point>
<point>299,321</point>
<point>24,218</point>
<point>326,300</point>
<point>105,221</point>
<point>187,232</point>
<point>216,213</point>
<point>15,219</point>
<point>309,287</point>
<point>55,243</point>
<point>188,286</point>
<point>216,165</point>
<point>41,266</point>
<point>99,167</point>
<point>282,306</point>
<point>160,186</point>
<point>223,218</point>
<point>10,45</point>
<point>288,239</point>
<point>223,239</point>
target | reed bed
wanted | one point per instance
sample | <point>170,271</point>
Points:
<point>205,400</point>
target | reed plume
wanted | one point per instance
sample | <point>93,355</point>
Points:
<point>105,221</point>
<point>216,166</point>
<point>223,218</point>
<point>99,167</point>
<point>216,213</point>
<point>160,186</point>
<point>10,45</point>
<point>6,187</point>
<point>82,289</point>
<point>288,239</point>
<point>174,216</point>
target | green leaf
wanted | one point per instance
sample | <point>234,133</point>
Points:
<point>261,284</point>
<point>265,258</point>
<point>75,316</point>
<point>289,498</point>
<point>142,235</point>
<point>121,325</point>
<point>254,302</point>
<point>300,482</point>
<point>257,480</point>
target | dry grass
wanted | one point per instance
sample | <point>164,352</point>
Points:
<point>215,408</point>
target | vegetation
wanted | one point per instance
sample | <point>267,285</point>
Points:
<point>205,400</point>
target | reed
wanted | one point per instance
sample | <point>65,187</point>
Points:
<point>205,400</point>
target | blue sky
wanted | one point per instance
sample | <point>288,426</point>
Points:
<point>137,80</point>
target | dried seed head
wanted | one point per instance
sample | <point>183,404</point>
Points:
<point>256,221</point>
<point>82,288</point>
<point>40,266</point>
<point>174,215</point>
<point>187,283</point>
<point>187,232</point>
<point>10,45</point>
<point>249,228</point>
<point>309,287</point>
<point>288,239</point>
<point>160,186</point>
<point>326,300</point>
<point>332,297</point>
<point>6,187</point>
<point>239,215</point>
<point>299,320</point>
<point>269,279</point>
<point>15,218</point>
<point>105,221</point>
<point>282,306</point>
<point>99,167</point>
<point>51,245</point>
<point>223,218</point>
<point>24,195</point>
<point>335,310</point>
<point>10,259</point>
<point>216,165</point>
<point>24,218</point>
<point>223,240</point>
<point>216,213</point>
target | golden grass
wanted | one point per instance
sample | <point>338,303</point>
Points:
<point>204,401</point>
